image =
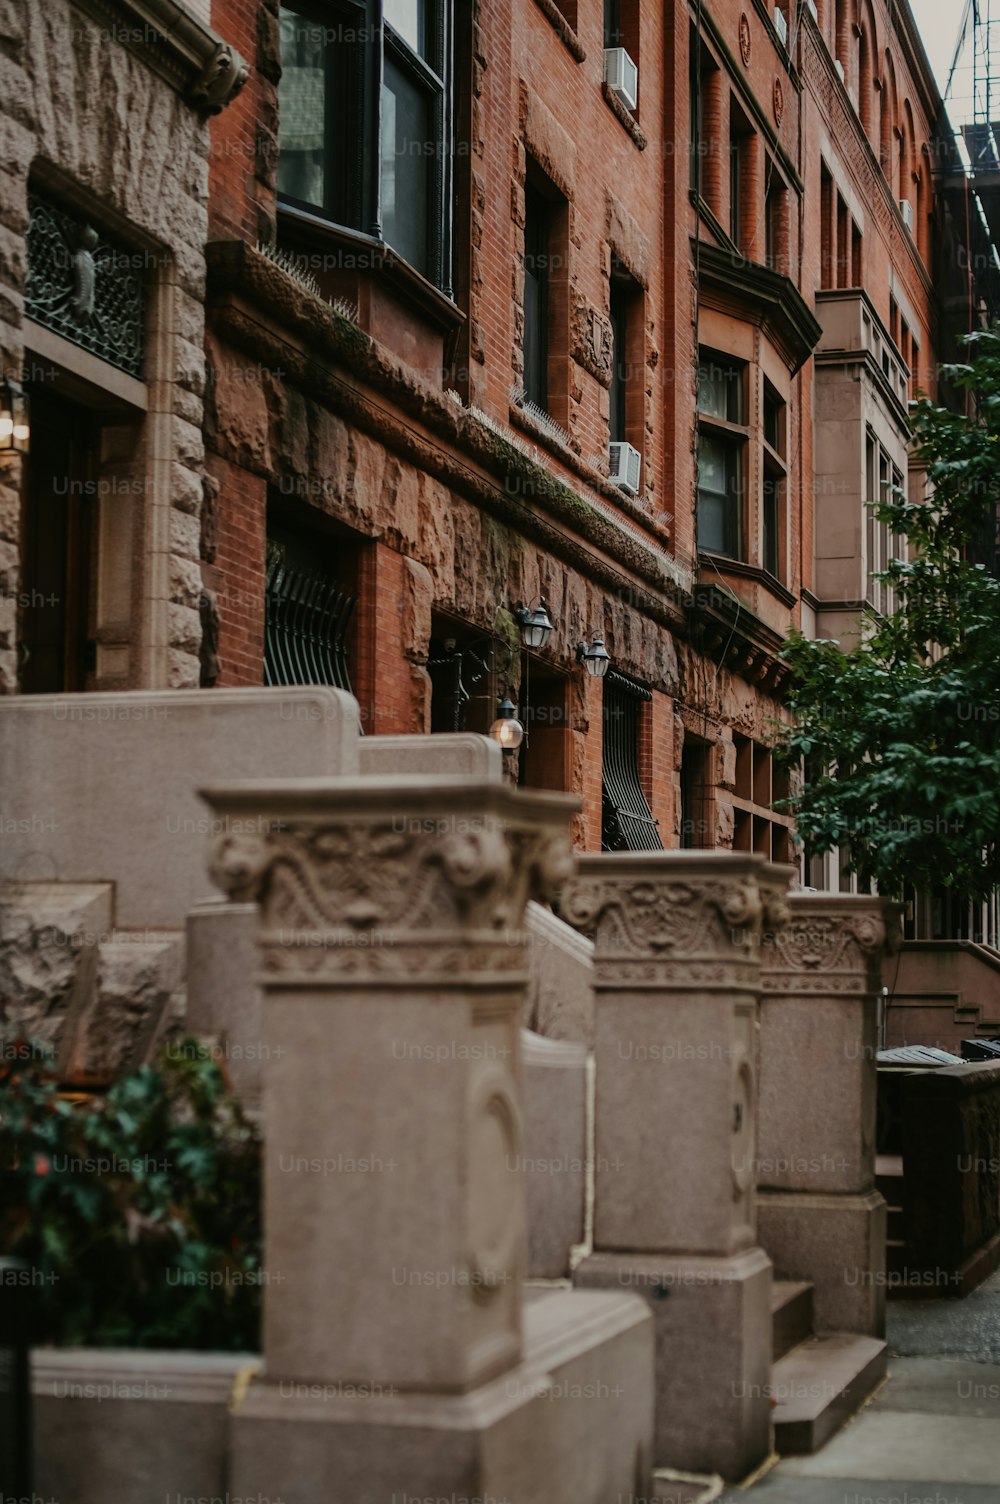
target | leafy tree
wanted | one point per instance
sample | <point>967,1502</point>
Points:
<point>902,733</point>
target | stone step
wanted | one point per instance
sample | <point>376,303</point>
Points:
<point>819,1385</point>
<point>134,999</point>
<point>49,938</point>
<point>791,1315</point>
<point>684,1488</point>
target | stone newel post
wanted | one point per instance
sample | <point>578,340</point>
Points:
<point>393,968</point>
<point>819,1214</point>
<point>677,958</point>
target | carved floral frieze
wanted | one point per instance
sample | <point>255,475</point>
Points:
<point>391,894</point>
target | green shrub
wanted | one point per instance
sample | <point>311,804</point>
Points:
<point>137,1214</point>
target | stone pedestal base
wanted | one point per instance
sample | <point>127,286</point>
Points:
<point>570,1424</point>
<point>836,1242</point>
<point>713,1353</point>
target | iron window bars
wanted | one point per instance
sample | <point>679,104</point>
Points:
<point>627,822</point>
<point>307,617</point>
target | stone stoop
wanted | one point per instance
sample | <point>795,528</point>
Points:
<point>820,1379</point>
<point>100,997</point>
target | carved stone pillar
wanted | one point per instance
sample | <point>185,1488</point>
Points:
<point>393,965</point>
<point>677,956</point>
<point>819,1214</point>
<point>393,970</point>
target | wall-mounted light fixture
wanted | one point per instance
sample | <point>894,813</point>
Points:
<point>595,659</point>
<point>507,729</point>
<point>536,624</point>
<point>15,429</point>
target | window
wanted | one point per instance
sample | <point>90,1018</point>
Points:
<point>627,822</point>
<point>735,175</point>
<point>628,358</point>
<point>696,794</point>
<point>775,228</point>
<point>365,121</point>
<point>773,501</point>
<point>881,545</point>
<point>722,440</point>
<point>613,36</point>
<point>308,608</point>
<point>537,266</point>
<point>828,250</point>
<point>761,783</point>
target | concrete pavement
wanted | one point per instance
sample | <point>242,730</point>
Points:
<point>931,1435</point>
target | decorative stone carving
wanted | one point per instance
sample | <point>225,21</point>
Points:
<point>745,39</point>
<point>381,890</point>
<point>592,342</point>
<point>220,80</point>
<point>778,101</point>
<point>823,949</point>
<point>657,923</point>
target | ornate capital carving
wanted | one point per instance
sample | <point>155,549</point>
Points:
<point>667,919</point>
<point>830,944</point>
<point>364,885</point>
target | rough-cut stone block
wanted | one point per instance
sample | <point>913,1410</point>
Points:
<point>104,785</point>
<point>49,934</point>
<point>555,1151</point>
<point>125,1013</point>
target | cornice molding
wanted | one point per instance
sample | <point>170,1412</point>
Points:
<point>193,59</point>
<point>737,286</point>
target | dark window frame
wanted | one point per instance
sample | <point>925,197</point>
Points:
<point>354,70</point>
<point>732,432</point>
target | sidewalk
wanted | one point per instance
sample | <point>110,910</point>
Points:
<point>931,1435</point>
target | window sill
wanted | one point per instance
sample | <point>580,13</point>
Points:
<point>354,251</point>
<point>562,28</point>
<point>748,572</point>
<point>593,478</point>
<point>624,116</point>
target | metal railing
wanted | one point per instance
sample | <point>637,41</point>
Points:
<point>307,617</point>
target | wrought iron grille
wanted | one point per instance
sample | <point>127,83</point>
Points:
<point>307,616</point>
<point>85,286</point>
<point>627,822</point>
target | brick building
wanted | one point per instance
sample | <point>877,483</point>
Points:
<point>610,307</point>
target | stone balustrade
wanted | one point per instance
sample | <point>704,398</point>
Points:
<point>677,947</point>
<point>819,1215</point>
<point>399,1355</point>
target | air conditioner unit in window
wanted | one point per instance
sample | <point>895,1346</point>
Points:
<point>781,26</point>
<point>621,75</point>
<point>626,466</point>
<point>906,210</point>
<point>840,68</point>
<point>811,8</point>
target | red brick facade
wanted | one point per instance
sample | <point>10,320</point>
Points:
<point>370,435</point>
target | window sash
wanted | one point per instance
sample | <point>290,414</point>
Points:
<point>357,172</point>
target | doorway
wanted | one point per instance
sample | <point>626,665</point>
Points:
<point>57,650</point>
